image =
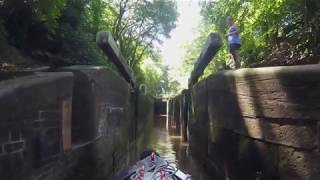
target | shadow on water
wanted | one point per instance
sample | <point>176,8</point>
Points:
<point>173,149</point>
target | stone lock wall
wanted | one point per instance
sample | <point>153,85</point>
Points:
<point>174,116</point>
<point>32,112</point>
<point>198,122</point>
<point>143,125</point>
<point>178,115</point>
<point>259,123</point>
<point>160,107</point>
<point>171,113</point>
<point>184,115</point>
<point>101,110</point>
<point>78,123</point>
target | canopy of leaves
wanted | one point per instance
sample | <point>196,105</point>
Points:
<point>139,24</point>
<point>157,80</point>
<point>273,32</point>
<point>62,32</point>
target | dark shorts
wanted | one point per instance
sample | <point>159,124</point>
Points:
<point>233,47</point>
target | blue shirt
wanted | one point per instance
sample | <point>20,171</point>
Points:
<point>234,38</point>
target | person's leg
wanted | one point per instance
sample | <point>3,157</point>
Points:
<point>234,51</point>
<point>236,56</point>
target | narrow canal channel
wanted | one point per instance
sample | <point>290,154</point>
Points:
<point>174,150</point>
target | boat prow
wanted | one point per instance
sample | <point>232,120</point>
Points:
<point>152,167</point>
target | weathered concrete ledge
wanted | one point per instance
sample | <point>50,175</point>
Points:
<point>22,72</point>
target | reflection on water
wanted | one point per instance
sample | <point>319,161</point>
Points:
<point>173,149</point>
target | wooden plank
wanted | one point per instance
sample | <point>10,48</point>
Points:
<point>106,42</point>
<point>212,46</point>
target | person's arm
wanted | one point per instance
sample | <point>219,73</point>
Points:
<point>236,31</point>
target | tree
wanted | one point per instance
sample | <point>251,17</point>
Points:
<point>20,16</point>
<point>62,32</point>
<point>277,32</point>
<point>156,78</point>
<point>139,24</point>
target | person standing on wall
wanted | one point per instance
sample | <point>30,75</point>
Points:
<point>234,41</point>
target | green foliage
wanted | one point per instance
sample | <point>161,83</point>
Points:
<point>267,26</point>
<point>156,78</point>
<point>75,40</point>
<point>134,25</point>
<point>138,24</point>
<point>152,79</point>
<point>78,26</point>
<point>65,30</point>
<point>48,11</point>
<point>193,50</point>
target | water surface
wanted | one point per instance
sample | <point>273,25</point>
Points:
<point>174,150</point>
